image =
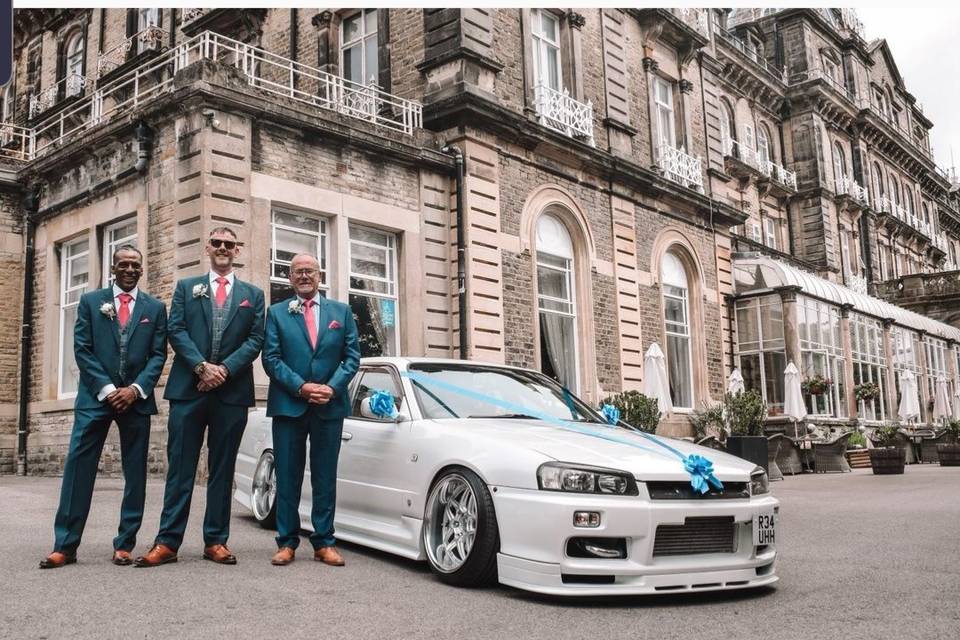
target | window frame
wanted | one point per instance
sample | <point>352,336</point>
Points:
<point>684,299</point>
<point>819,330</point>
<point>361,42</point>
<point>864,331</point>
<point>392,267</point>
<point>668,108</point>
<point>108,246</point>
<point>568,271</point>
<point>322,236</point>
<point>542,46</point>
<point>66,273</point>
<point>763,348</point>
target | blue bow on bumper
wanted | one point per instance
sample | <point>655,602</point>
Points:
<point>701,473</point>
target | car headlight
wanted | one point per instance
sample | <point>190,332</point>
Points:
<point>560,476</point>
<point>759,483</point>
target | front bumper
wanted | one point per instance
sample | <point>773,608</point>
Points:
<point>536,525</point>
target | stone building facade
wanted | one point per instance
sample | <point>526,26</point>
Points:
<point>614,163</point>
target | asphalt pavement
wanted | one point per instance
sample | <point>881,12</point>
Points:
<point>861,556</point>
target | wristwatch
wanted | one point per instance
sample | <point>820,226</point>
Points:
<point>199,368</point>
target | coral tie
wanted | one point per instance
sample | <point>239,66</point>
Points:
<point>123,313</point>
<point>311,322</point>
<point>221,295</point>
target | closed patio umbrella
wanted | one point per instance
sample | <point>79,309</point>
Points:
<point>735,382</point>
<point>956,403</point>
<point>909,408</point>
<point>941,400</point>
<point>655,381</point>
<point>793,405</point>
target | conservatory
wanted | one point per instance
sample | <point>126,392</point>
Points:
<point>851,348</point>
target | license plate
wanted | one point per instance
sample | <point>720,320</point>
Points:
<point>764,529</point>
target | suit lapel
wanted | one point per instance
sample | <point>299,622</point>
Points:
<point>300,319</point>
<point>237,296</point>
<point>134,321</point>
<point>114,321</point>
<point>321,324</point>
<point>205,303</point>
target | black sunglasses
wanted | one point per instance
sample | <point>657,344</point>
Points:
<point>216,243</point>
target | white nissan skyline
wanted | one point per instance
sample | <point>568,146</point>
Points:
<point>491,472</point>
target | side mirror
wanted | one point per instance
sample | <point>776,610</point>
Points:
<point>366,412</point>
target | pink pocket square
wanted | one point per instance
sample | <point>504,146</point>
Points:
<point>334,325</point>
<point>245,303</point>
<point>145,321</point>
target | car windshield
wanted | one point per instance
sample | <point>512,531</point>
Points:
<point>478,391</point>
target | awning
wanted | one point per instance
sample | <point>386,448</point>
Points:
<point>761,273</point>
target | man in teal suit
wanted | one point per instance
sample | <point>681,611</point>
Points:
<point>216,331</point>
<point>120,343</point>
<point>311,353</point>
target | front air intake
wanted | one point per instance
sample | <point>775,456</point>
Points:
<point>696,536</point>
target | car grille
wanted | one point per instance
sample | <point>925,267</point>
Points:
<point>696,536</point>
<point>660,490</point>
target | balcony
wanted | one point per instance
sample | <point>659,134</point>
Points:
<point>560,112</point>
<point>848,187</point>
<point>888,206</point>
<point>148,40</point>
<point>696,19</point>
<point>744,162</point>
<point>71,86</point>
<point>16,143</point>
<point>751,53</point>
<point>680,167</point>
<point>262,70</point>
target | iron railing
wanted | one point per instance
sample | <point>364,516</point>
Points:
<point>150,38</point>
<point>16,143</point>
<point>751,53</point>
<point>681,167</point>
<point>263,70</point>
<point>70,86</point>
<point>846,185</point>
<point>753,158</point>
<point>695,18</point>
<point>561,112</point>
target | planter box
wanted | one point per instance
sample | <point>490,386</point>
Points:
<point>949,455</point>
<point>750,448</point>
<point>887,460</point>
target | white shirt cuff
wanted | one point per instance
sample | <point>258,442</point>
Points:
<point>139,389</point>
<point>105,391</point>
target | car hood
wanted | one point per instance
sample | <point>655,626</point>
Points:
<point>646,457</point>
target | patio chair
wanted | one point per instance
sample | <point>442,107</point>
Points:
<point>829,455</point>
<point>774,443</point>
<point>789,457</point>
<point>711,442</point>
<point>928,446</point>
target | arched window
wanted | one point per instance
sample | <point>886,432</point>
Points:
<point>895,190</point>
<point>763,145</point>
<point>878,182</point>
<point>6,103</point>
<point>839,161</point>
<point>73,68</point>
<point>728,128</point>
<point>676,316</point>
<point>926,212</point>
<point>556,301</point>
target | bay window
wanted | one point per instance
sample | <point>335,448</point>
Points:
<point>761,348</point>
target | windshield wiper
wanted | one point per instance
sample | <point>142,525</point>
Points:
<point>509,416</point>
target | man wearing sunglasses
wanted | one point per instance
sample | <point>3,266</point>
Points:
<point>216,331</point>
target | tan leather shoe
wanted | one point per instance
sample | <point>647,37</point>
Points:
<point>158,555</point>
<point>58,559</point>
<point>122,558</point>
<point>282,557</point>
<point>219,553</point>
<point>329,555</point>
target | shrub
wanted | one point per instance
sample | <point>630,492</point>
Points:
<point>886,436</point>
<point>636,409</point>
<point>857,440</point>
<point>953,428</point>
<point>746,413</point>
<point>708,421</point>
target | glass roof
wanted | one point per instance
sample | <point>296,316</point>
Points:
<point>763,273</point>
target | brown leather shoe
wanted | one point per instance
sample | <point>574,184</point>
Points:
<point>122,558</point>
<point>220,554</point>
<point>158,555</point>
<point>282,557</point>
<point>58,559</point>
<point>329,555</point>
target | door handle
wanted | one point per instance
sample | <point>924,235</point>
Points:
<point>346,436</point>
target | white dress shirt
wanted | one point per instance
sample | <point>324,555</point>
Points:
<point>110,388</point>
<point>214,285</point>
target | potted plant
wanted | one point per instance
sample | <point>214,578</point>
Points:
<point>866,391</point>
<point>857,441</point>
<point>746,413</point>
<point>887,458</point>
<point>949,452</point>
<point>709,421</point>
<point>637,410</point>
<point>816,385</point>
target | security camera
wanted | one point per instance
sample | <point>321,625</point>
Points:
<point>211,117</point>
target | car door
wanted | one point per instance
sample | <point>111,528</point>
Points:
<point>373,456</point>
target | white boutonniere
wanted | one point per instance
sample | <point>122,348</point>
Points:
<point>107,309</point>
<point>295,306</point>
<point>200,291</point>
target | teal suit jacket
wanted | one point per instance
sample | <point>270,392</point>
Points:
<point>191,336</point>
<point>96,346</point>
<point>290,361</point>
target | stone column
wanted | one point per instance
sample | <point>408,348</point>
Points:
<point>889,383</point>
<point>845,338</point>
<point>576,22</point>
<point>791,333</point>
<point>650,67</point>
<point>686,88</point>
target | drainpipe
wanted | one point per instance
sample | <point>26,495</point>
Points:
<point>461,250</point>
<point>293,42</point>
<point>786,204</point>
<point>144,137</point>
<point>31,203</point>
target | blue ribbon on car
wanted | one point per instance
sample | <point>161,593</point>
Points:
<point>382,405</point>
<point>699,467</point>
<point>611,413</point>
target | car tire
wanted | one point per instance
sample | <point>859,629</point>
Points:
<point>263,493</point>
<point>460,533</point>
